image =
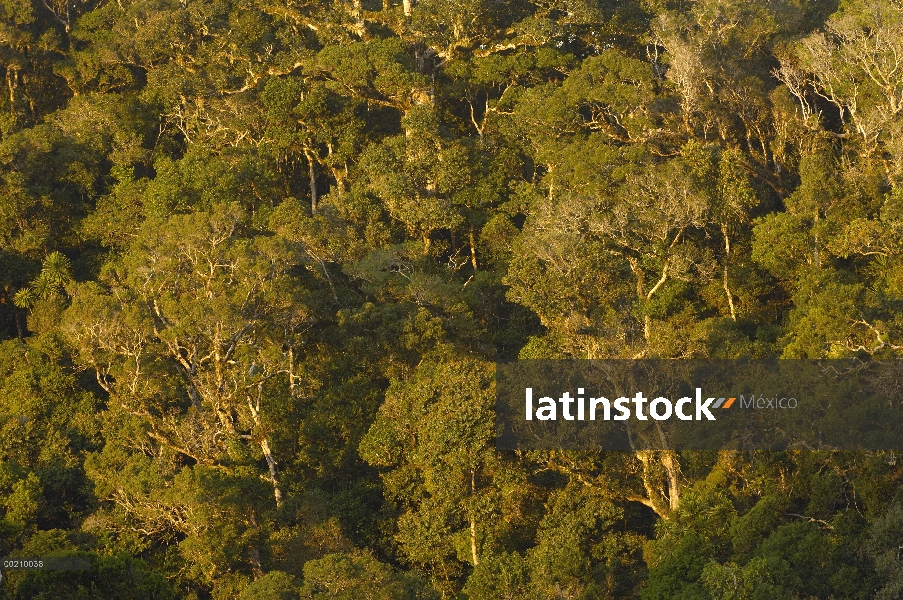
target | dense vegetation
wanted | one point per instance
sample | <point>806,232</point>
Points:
<point>257,260</point>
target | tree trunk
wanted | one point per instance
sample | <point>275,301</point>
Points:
<point>408,7</point>
<point>663,501</point>
<point>656,496</point>
<point>256,566</point>
<point>656,500</point>
<point>11,82</point>
<point>672,473</point>
<point>640,293</point>
<point>727,289</point>
<point>339,176</point>
<point>265,447</point>
<point>473,249</point>
<point>18,318</point>
<point>313,181</point>
<point>360,28</point>
<point>473,522</point>
<point>291,371</point>
<point>271,464</point>
<point>473,542</point>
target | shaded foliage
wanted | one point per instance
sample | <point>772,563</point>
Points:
<point>257,261</point>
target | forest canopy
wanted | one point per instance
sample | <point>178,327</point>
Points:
<point>258,260</point>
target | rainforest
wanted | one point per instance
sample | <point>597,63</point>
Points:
<point>259,260</point>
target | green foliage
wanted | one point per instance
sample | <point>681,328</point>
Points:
<point>115,577</point>
<point>257,261</point>
<point>347,577</point>
<point>275,585</point>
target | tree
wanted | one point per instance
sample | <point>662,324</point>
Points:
<point>189,337</point>
<point>451,484</point>
<point>344,576</point>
